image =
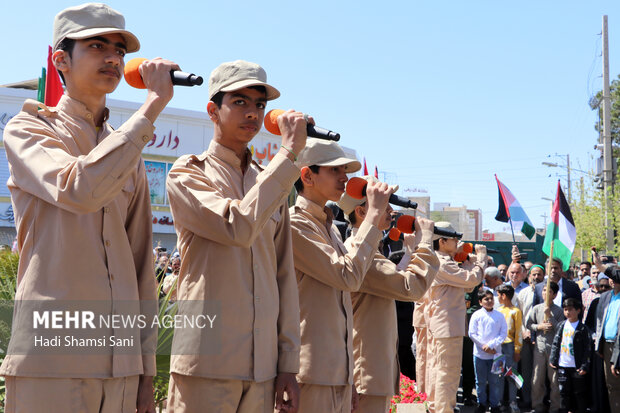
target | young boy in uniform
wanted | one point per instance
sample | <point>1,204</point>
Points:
<point>326,274</point>
<point>232,222</point>
<point>80,196</point>
<point>445,317</point>
<point>375,332</point>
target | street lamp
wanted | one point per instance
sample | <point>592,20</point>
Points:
<point>555,165</point>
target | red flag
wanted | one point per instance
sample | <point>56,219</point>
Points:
<point>376,172</point>
<point>53,85</point>
<point>365,167</point>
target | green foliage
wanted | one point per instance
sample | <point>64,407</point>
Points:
<point>8,283</point>
<point>164,346</point>
<point>589,215</point>
<point>614,90</point>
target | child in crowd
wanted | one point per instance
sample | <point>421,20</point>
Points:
<point>487,329</point>
<point>543,322</point>
<point>570,355</point>
<point>511,348</point>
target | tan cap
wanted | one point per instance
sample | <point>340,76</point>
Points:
<point>347,203</point>
<point>322,152</point>
<point>443,225</point>
<point>231,76</point>
<point>90,20</point>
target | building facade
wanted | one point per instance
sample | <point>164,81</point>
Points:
<point>177,132</point>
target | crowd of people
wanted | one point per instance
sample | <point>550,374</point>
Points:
<point>303,318</point>
<point>533,352</point>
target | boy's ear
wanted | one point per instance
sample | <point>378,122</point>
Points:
<point>361,211</point>
<point>307,177</point>
<point>213,112</point>
<point>60,59</point>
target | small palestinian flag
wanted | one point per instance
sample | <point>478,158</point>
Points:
<point>510,209</point>
<point>516,377</point>
<point>561,231</point>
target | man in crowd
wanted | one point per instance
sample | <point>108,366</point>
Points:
<point>542,321</point>
<point>584,275</point>
<point>525,302</point>
<point>375,335</point>
<point>567,288</point>
<point>503,269</point>
<point>232,222</point>
<point>516,277</point>
<point>492,280</point>
<point>607,320</point>
<point>80,196</point>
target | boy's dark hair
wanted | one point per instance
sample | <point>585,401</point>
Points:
<point>436,244</point>
<point>573,303</point>
<point>588,263</point>
<point>506,289</point>
<point>218,98</point>
<point>554,287</point>
<point>67,45</point>
<point>299,186</point>
<point>351,216</point>
<point>484,293</point>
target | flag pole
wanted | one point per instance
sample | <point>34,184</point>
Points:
<point>512,230</point>
<point>548,292</point>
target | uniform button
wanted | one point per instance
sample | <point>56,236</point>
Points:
<point>89,115</point>
<point>107,243</point>
<point>106,210</point>
<point>146,138</point>
<point>256,330</point>
<point>256,298</point>
<point>111,276</point>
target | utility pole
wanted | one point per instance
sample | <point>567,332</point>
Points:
<point>608,173</point>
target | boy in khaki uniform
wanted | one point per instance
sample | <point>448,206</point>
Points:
<point>82,213</point>
<point>421,344</point>
<point>232,221</point>
<point>327,272</point>
<point>445,317</point>
<point>375,332</point>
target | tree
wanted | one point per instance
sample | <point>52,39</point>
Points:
<point>588,210</point>
<point>614,90</point>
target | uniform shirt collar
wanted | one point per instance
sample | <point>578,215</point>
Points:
<point>322,213</point>
<point>76,108</point>
<point>225,154</point>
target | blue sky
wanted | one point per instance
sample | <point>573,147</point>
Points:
<point>439,95</point>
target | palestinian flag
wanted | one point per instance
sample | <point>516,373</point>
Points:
<point>510,210</point>
<point>516,377</point>
<point>561,231</point>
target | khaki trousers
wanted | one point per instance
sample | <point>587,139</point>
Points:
<point>421,358</point>
<point>445,373</point>
<point>315,398</point>
<point>542,369</point>
<point>373,404</point>
<point>188,394</point>
<point>51,395</point>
